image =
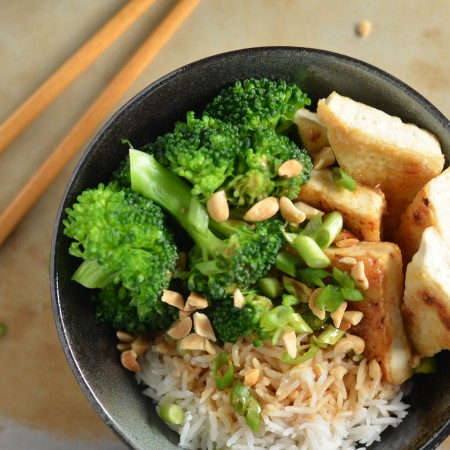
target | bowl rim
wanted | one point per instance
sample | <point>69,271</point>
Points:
<point>97,405</point>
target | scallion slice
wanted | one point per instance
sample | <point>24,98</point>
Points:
<point>287,262</point>
<point>313,349</point>
<point>330,298</point>
<point>330,335</point>
<point>343,179</point>
<point>270,287</point>
<point>310,252</point>
<point>171,413</point>
<point>331,227</point>
<point>223,381</point>
<point>245,405</point>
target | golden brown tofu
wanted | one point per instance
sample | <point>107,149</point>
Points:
<point>427,295</point>
<point>382,325</point>
<point>362,210</point>
<point>431,207</point>
<point>312,132</point>
<point>381,151</point>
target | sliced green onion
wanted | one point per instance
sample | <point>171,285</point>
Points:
<point>252,417</point>
<point>287,262</point>
<point>343,278</point>
<point>331,227</point>
<point>239,397</point>
<point>245,405</point>
<point>313,226</point>
<point>198,216</point>
<point>3,329</point>
<point>270,287</point>
<point>276,318</point>
<point>313,277</point>
<point>313,350</point>
<point>223,381</point>
<point>172,413</point>
<point>276,336</point>
<point>427,365</point>
<point>310,252</point>
<point>352,295</point>
<point>330,298</point>
<point>330,335</point>
<point>298,324</point>
<point>313,321</point>
<point>343,179</point>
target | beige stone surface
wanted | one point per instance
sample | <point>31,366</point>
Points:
<point>41,405</point>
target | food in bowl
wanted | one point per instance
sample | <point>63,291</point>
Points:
<point>279,320</point>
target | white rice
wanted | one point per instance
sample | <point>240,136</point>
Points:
<point>303,407</point>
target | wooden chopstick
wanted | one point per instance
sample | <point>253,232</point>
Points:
<point>89,122</point>
<point>27,112</point>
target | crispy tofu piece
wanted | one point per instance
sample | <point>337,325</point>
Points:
<point>311,130</point>
<point>362,209</point>
<point>430,208</point>
<point>427,295</point>
<point>382,325</point>
<point>381,151</point>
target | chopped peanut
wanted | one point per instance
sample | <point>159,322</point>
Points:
<point>359,275</point>
<point>290,342</point>
<point>217,206</point>
<point>353,317</point>
<point>290,212</point>
<point>320,313</point>
<point>251,377</point>
<point>264,209</point>
<point>128,359</point>
<point>173,298</point>
<point>238,299</point>
<point>337,315</point>
<point>195,301</point>
<point>290,169</point>
<point>203,327</point>
<point>181,328</point>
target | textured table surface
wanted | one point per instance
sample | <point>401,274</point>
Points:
<point>41,405</point>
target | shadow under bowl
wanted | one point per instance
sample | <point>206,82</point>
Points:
<point>90,346</point>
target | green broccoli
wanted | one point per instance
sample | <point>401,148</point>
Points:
<point>256,175</point>
<point>259,103</point>
<point>230,322</point>
<point>219,264</point>
<point>201,150</point>
<point>128,252</point>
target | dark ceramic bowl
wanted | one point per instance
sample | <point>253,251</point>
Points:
<point>90,348</point>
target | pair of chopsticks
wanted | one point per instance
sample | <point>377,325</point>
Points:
<point>91,120</point>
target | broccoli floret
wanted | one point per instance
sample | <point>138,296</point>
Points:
<point>230,322</point>
<point>218,264</point>
<point>201,150</point>
<point>256,175</point>
<point>128,252</point>
<point>255,103</point>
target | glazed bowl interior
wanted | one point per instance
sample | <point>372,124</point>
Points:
<point>90,346</point>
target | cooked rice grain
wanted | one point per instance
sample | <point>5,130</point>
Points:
<point>302,407</point>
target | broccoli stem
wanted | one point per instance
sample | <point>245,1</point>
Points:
<point>165,188</point>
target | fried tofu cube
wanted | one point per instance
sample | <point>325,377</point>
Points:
<point>427,295</point>
<point>380,150</point>
<point>430,208</point>
<point>382,325</point>
<point>311,130</point>
<point>362,210</point>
